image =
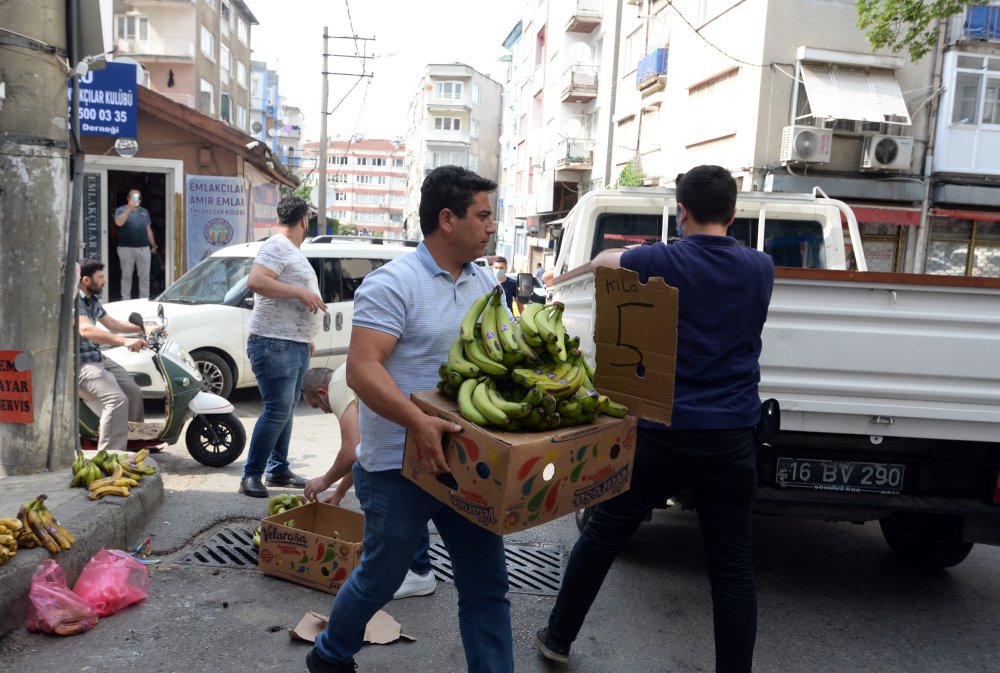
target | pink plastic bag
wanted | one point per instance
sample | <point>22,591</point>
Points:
<point>54,608</point>
<point>111,581</point>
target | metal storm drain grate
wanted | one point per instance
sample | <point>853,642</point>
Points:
<point>530,569</point>
<point>231,547</point>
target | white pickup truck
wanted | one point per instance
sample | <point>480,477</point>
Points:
<point>889,384</point>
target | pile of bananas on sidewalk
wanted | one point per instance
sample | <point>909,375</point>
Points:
<point>110,473</point>
<point>520,374</point>
<point>34,526</point>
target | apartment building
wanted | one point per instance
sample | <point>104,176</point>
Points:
<point>265,104</point>
<point>557,95</point>
<point>288,133</point>
<point>195,52</point>
<point>787,94</point>
<point>454,119</point>
<point>366,184</point>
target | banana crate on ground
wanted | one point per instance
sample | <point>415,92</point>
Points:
<point>507,474</point>
<point>316,545</point>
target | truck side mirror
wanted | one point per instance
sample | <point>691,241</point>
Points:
<point>525,287</point>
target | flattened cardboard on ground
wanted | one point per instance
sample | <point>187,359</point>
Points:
<point>510,481</point>
<point>381,629</point>
<point>310,553</point>
<point>636,337</point>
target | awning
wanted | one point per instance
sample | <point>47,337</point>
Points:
<point>886,215</point>
<point>981,215</point>
<point>868,95</point>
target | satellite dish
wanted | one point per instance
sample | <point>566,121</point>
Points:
<point>271,133</point>
<point>579,52</point>
<point>139,75</point>
<point>256,127</point>
<point>573,128</point>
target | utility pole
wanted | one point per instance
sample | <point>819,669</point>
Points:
<point>34,160</point>
<point>325,111</point>
<point>324,106</point>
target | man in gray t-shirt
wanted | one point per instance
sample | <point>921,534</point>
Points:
<point>135,241</point>
<point>284,320</point>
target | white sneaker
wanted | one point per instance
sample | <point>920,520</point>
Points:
<point>416,585</point>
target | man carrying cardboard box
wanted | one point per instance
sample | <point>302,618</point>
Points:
<point>327,390</point>
<point>724,293</point>
<point>406,315</point>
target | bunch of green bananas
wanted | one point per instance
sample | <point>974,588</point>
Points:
<point>10,530</point>
<point>38,522</point>
<point>256,537</point>
<point>486,370</point>
<point>110,473</point>
<point>284,502</point>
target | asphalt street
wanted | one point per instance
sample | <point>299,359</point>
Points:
<point>832,598</point>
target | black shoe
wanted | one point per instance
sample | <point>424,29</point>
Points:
<point>550,648</point>
<point>253,487</point>
<point>289,479</point>
<point>317,664</point>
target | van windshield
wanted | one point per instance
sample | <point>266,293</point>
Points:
<point>210,282</point>
<point>617,230</point>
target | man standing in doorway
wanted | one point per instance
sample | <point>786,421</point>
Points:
<point>135,240</point>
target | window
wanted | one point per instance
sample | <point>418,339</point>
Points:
<point>225,108</point>
<point>448,90</point>
<point>475,128</point>
<point>369,198</point>
<point>340,196</point>
<point>363,179</point>
<point>477,94</point>
<point>241,117</point>
<point>473,163</point>
<point>339,214</point>
<point>397,163</point>
<point>977,91</point>
<point>207,42</point>
<point>242,31</point>
<point>378,161</point>
<point>337,178</point>
<point>339,279</point>
<point>336,160</point>
<point>212,4</point>
<point>447,159</point>
<point>206,100</point>
<point>131,27</point>
<point>224,59</point>
<point>362,161</point>
<point>447,123</point>
<point>241,74</point>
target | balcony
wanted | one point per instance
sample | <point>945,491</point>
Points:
<point>585,17</point>
<point>652,70</point>
<point>166,49</point>
<point>182,98</point>
<point>580,84</point>
<point>978,22</point>
<point>442,136</point>
<point>575,154</point>
<point>449,104</point>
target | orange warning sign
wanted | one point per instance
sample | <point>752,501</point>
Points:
<point>15,389</point>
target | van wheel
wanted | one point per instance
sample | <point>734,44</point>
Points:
<point>215,440</point>
<point>926,540</point>
<point>216,376</point>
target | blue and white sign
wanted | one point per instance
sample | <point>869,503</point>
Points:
<point>109,104</point>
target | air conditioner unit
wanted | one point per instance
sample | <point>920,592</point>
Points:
<point>887,153</point>
<point>806,144</point>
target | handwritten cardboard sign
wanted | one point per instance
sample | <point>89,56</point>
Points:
<point>636,338</point>
<point>15,388</point>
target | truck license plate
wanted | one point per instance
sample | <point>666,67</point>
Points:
<point>839,475</point>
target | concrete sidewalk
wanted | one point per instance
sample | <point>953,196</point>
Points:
<point>112,523</point>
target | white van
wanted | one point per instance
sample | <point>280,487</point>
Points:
<point>208,309</point>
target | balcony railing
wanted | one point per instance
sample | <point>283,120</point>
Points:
<point>166,48</point>
<point>182,98</point>
<point>580,84</point>
<point>979,22</point>
<point>585,18</point>
<point>442,136</point>
<point>575,155</point>
<point>651,68</point>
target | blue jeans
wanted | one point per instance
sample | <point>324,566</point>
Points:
<point>396,513</point>
<point>719,466</point>
<point>422,559</point>
<point>279,365</point>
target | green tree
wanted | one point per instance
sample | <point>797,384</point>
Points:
<point>303,191</point>
<point>912,25</point>
<point>631,175</point>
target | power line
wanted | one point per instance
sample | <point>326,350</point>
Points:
<point>712,44</point>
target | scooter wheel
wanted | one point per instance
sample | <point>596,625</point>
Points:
<point>215,440</point>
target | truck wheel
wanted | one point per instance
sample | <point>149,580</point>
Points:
<point>215,440</point>
<point>216,376</point>
<point>926,540</point>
